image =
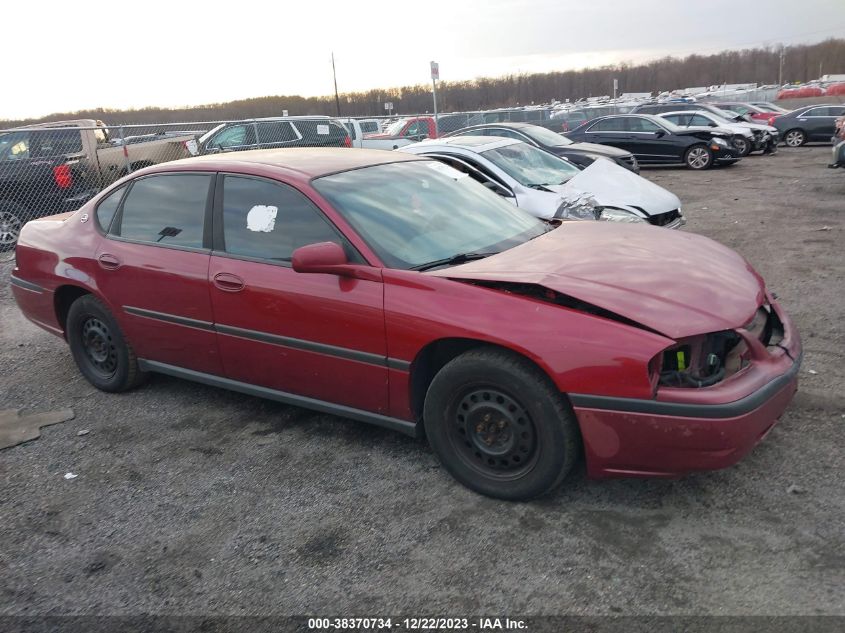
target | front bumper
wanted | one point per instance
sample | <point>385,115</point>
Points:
<point>726,155</point>
<point>688,430</point>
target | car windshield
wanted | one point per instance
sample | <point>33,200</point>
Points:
<point>531,166</point>
<point>394,128</point>
<point>418,212</point>
<point>544,136</point>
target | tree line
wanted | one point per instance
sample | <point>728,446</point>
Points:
<point>762,65</point>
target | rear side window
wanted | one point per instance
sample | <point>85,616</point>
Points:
<point>608,125</point>
<point>167,209</point>
<point>269,221</point>
<point>368,127</point>
<point>271,132</point>
<point>107,208</point>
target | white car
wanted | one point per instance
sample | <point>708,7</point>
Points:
<point>747,137</point>
<point>549,187</point>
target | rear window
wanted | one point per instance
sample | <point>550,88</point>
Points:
<point>45,143</point>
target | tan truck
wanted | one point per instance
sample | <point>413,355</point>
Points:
<point>55,167</point>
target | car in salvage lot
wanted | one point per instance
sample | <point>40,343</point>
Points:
<point>808,124</point>
<point>747,137</point>
<point>656,141</point>
<point>375,286</point>
<point>550,187</point>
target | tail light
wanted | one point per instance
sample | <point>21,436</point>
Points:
<point>347,142</point>
<point>772,120</point>
<point>63,176</point>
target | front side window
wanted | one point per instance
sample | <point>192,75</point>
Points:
<point>702,121</point>
<point>636,124</point>
<point>415,212</point>
<point>167,209</point>
<point>269,221</point>
<point>677,119</point>
<point>235,136</point>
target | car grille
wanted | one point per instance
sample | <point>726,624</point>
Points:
<point>665,218</point>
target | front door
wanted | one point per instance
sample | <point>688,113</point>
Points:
<point>315,335</point>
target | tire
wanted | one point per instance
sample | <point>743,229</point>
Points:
<point>743,145</point>
<point>98,346</point>
<point>12,218</point>
<point>794,138</point>
<point>499,425</point>
<point>698,157</point>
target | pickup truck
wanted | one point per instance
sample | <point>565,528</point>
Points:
<point>56,167</point>
<point>362,139</point>
<point>409,129</point>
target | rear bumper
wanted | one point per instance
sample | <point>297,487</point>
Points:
<point>688,430</point>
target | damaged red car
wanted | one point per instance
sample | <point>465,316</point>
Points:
<point>394,290</point>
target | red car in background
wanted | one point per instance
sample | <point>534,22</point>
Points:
<point>395,290</point>
<point>758,113</point>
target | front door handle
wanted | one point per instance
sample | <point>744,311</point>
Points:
<point>108,261</point>
<point>227,282</point>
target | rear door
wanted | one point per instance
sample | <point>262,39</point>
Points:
<point>153,267</point>
<point>820,122</point>
<point>611,131</point>
<point>314,335</point>
<point>276,134</point>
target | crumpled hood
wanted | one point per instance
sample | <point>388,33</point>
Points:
<point>614,186</point>
<point>676,283</point>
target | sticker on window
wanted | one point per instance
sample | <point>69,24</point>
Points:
<point>446,170</point>
<point>261,218</point>
<point>322,129</point>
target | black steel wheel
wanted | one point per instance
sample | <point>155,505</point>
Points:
<point>499,426</point>
<point>99,348</point>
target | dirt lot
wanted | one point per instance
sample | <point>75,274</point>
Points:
<point>190,500</point>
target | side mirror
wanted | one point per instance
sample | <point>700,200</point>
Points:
<point>330,258</point>
<point>322,257</point>
<point>660,134</point>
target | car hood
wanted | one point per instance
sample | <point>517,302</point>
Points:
<point>692,130</point>
<point>675,283</point>
<point>595,148</point>
<point>614,186</point>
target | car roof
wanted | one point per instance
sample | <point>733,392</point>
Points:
<point>474,143</point>
<point>307,162</point>
<point>702,112</point>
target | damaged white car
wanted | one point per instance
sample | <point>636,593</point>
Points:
<point>550,187</point>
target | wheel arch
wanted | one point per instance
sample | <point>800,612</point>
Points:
<point>63,297</point>
<point>436,354</point>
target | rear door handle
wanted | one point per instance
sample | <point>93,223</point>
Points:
<point>108,261</point>
<point>227,282</point>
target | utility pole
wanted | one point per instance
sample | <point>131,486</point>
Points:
<point>435,75</point>
<point>780,68</point>
<point>336,98</point>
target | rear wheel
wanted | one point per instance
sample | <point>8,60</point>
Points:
<point>499,426</point>
<point>101,352</point>
<point>698,157</point>
<point>794,138</point>
<point>11,223</point>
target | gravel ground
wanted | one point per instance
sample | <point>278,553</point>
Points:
<point>191,500</point>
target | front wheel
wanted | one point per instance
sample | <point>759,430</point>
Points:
<point>795,138</point>
<point>698,157</point>
<point>499,425</point>
<point>99,348</point>
<point>742,145</point>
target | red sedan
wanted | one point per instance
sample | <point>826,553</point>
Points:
<point>395,290</point>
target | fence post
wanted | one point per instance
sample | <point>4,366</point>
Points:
<point>125,151</point>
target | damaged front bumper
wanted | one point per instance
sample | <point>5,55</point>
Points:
<point>684,430</point>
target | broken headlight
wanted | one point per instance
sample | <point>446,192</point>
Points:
<point>610,214</point>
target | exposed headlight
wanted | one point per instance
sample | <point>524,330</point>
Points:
<point>719,141</point>
<point>620,215</point>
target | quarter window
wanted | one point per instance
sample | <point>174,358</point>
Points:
<point>106,209</point>
<point>167,209</point>
<point>269,221</point>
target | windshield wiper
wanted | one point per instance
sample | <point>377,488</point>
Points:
<point>460,258</point>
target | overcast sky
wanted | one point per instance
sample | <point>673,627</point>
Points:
<point>85,54</point>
